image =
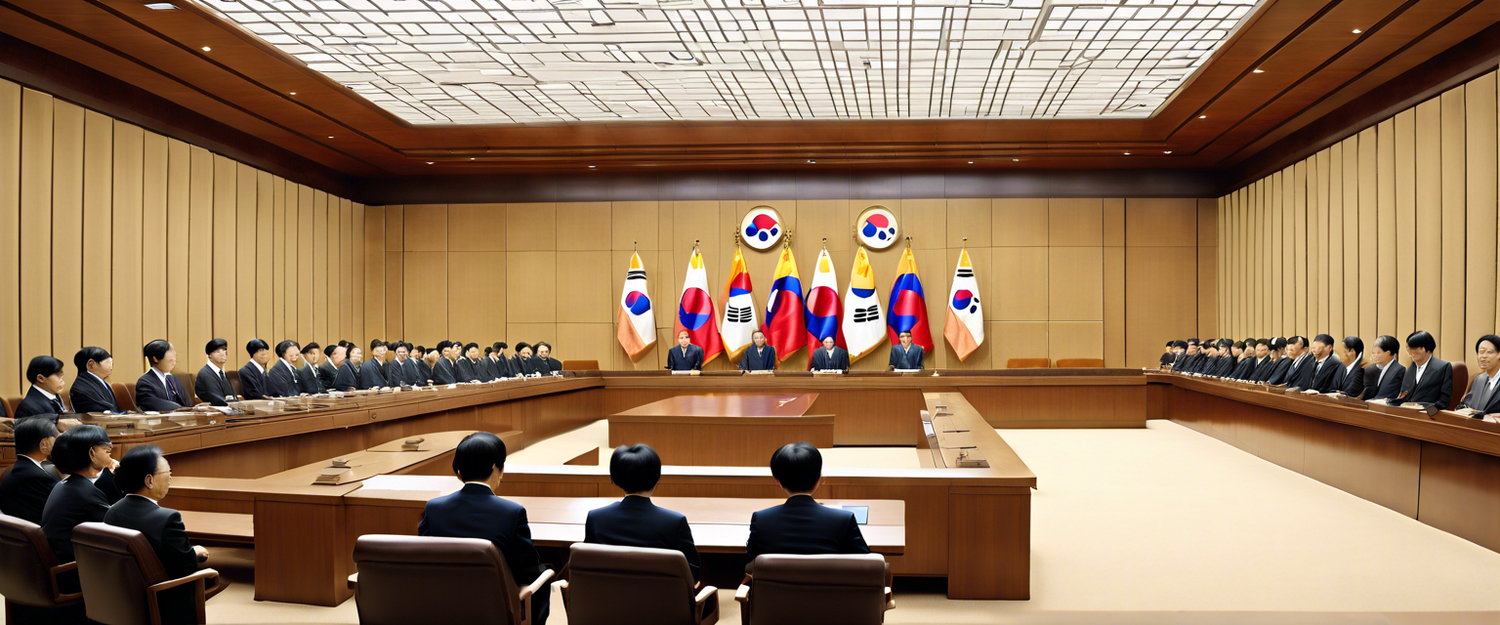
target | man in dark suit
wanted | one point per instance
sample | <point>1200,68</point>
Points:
<point>829,357</point>
<point>802,525</point>
<point>377,353</point>
<point>24,491</point>
<point>402,371</point>
<point>211,383</point>
<point>91,391</point>
<point>1264,361</point>
<point>499,362</point>
<point>467,367</point>
<point>758,356</point>
<point>330,368</point>
<point>253,374</point>
<point>1281,364</point>
<point>1326,366</point>
<point>307,373</point>
<point>372,372</point>
<point>1299,373</point>
<point>1484,394</point>
<point>545,363</point>
<point>523,363</point>
<point>424,368</point>
<point>635,521</point>
<point>1430,380</point>
<point>146,477</point>
<point>157,390</point>
<point>1351,371</point>
<point>1189,358</point>
<point>1383,380</point>
<point>686,356</point>
<point>1244,351</point>
<point>905,355</point>
<point>443,371</point>
<point>349,377</point>
<point>475,512</point>
<point>45,374</point>
<point>81,454</point>
<point>283,380</point>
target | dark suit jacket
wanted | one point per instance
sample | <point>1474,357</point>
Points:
<point>442,372</point>
<point>282,381</point>
<point>326,373</point>
<point>1198,363</point>
<point>211,388</point>
<point>162,528</point>
<point>399,373</point>
<point>91,395</point>
<point>74,500</point>
<point>1244,369</point>
<point>475,512</point>
<point>465,370</point>
<point>1263,368</point>
<point>424,373</point>
<point>523,366</point>
<point>906,358</point>
<point>823,361</point>
<point>23,492</point>
<point>311,382</point>
<point>1435,387</point>
<point>1387,388</point>
<point>636,522</point>
<point>348,378</point>
<point>547,366</point>
<point>765,360</point>
<point>372,375</point>
<point>150,395</point>
<point>1351,382</point>
<point>802,526</point>
<point>1491,403</point>
<point>252,381</point>
<point>692,360</point>
<point>500,367</point>
<point>1326,380</point>
<point>36,403</point>
<point>1300,374</point>
<point>1280,370</point>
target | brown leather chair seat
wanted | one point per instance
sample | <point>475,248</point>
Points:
<point>421,579</point>
<point>124,395</point>
<point>1460,384</point>
<point>815,590</point>
<point>580,365</point>
<point>186,379</point>
<point>28,571</point>
<point>234,381</point>
<point>121,576</point>
<point>1028,363</point>
<point>610,585</point>
<point>1080,363</point>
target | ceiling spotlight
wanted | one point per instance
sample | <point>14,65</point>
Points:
<point>593,166</point>
<point>1127,154</point>
<point>292,93</point>
<point>471,158</point>
<point>1015,160</point>
<point>1257,71</point>
<point>429,162</point>
<point>330,136</point>
<point>207,49</point>
<point>1202,117</point>
<point>1358,31</point>
<point>161,6</point>
<point>813,162</point>
<point>1166,151</point>
<point>971,162</point>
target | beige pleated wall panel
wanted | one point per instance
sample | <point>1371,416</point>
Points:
<point>1401,223</point>
<point>119,236</point>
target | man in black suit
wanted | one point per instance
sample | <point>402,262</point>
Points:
<point>1430,380</point>
<point>211,383</point>
<point>523,362</point>
<point>307,372</point>
<point>349,377</point>
<point>829,357</point>
<point>330,368</point>
<point>1383,380</point>
<point>1189,358</point>
<point>378,349</point>
<point>253,374</point>
<point>499,362</point>
<point>45,374</point>
<point>467,366</point>
<point>1244,352</point>
<point>545,363</point>
<point>91,391</point>
<point>758,356</point>
<point>685,357</point>
<point>1264,361</point>
<point>402,370</point>
<point>372,372</point>
<point>475,512</point>
<point>802,525</point>
<point>905,355</point>
<point>424,368</point>
<point>1281,364</point>
<point>1299,373</point>
<point>442,370</point>
<point>1326,366</point>
<point>157,390</point>
<point>635,521</point>
<point>146,477</point>
<point>81,454</point>
<point>283,380</point>
<point>1484,394</point>
<point>1350,378</point>
<point>23,492</point>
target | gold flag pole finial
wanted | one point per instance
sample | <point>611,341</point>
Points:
<point>908,241</point>
<point>635,246</point>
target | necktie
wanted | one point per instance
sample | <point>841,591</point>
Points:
<point>171,389</point>
<point>57,403</point>
<point>294,373</point>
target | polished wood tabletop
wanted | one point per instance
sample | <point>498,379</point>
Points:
<point>731,405</point>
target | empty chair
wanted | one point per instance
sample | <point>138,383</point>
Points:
<point>188,384</point>
<point>124,395</point>
<point>122,578</point>
<point>611,585</point>
<point>580,365</point>
<point>234,381</point>
<point>1027,363</point>
<point>425,579</point>
<point>29,572</point>
<point>815,590</point>
<point>1461,383</point>
<point>1079,363</point>
<point>10,404</point>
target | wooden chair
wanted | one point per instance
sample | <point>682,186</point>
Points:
<point>233,375</point>
<point>580,365</point>
<point>29,573</point>
<point>1028,363</point>
<point>122,578</point>
<point>10,404</point>
<point>610,585</point>
<point>186,379</point>
<point>395,572</point>
<point>816,590</point>
<point>1080,363</point>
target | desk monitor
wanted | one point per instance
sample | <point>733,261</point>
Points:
<point>861,513</point>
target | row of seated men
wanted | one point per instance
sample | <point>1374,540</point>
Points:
<point>1326,365</point>
<point>297,371</point>
<point>81,455</point>
<point>759,356</point>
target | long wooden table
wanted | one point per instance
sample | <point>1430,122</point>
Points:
<point>722,429</point>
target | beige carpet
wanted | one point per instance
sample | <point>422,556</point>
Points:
<point>1163,525</point>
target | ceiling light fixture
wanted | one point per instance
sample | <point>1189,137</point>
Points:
<point>161,6</point>
<point>1358,31</point>
<point>593,166</point>
<point>330,136</point>
<point>1127,154</point>
<point>207,49</point>
<point>292,93</point>
<point>971,162</point>
<point>1166,151</point>
<point>1202,117</point>
<point>429,162</point>
<point>1015,160</point>
<point>1257,71</point>
<point>812,162</point>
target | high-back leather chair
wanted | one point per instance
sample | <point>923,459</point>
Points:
<point>28,571</point>
<point>424,579</point>
<point>1079,363</point>
<point>1460,384</point>
<point>233,375</point>
<point>122,577</point>
<point>580,365</point>
<point>1027,363</point>
<point>124,395</point>
<point>186,379</point>
<point>815,590</point>
<point>610,585</point>
<point>10,404</point>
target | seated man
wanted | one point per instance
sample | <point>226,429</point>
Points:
<point>475,512</point>
<point>499,362</point>
<point>45,374</point>
<point>442,368</point>
<point>1430,380</point>
<point>91,391</point>
<point>146,477</point>
<point>685,357</point>
<point>467,365</point>
<point>283,380</point>
<point>758,356</point>
<point>802,525</point>
<point>372,373</point>
<point>1350,378</point>
<point>1482,398</point>
<point>253,374</point>
<point>635,521</point>
<point>211,383</point>
<point>830,357</point>
<point>158,390</point>
<point>1383,380</point>
<point>545,363</point>
<point>307,372</point>
<point>330,367</point>
<point>905,355</point>
<point>524,363</point>
<point>349,378</point>
<point>24,491</point>
<point>82,455</point>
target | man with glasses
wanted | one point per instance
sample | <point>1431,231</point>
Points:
<point>146,476</point>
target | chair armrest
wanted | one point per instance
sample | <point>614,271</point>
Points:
<point>201,574</point>
<point>561,584</point>
<point>742,594</point>
<point>537,585</point>
<point>353,580</point>
<point>703,595</point>
<point>890,601</point>
<point>57,594</point>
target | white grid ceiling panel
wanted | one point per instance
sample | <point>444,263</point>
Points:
<point>522,61</point>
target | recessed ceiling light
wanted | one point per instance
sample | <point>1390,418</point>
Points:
<point>1127,154</point>
<point>1015,160</point>
<point>161,6</point>
<point>1202,117</point>
<point>207,49</point>
<point>471,158</point>
<point>429,162</point>
<point>1166,151</point>
<point>1257,71</point>
<point>593,166</point>
<point>292,93</point>
<point>971,162</point>
<point>1358,31</point>
<point>812,161</point>
<point>330,136</point>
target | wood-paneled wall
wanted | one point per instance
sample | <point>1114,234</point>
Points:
<point>114,236</point>
<point>1389,231</point>
<point>1103,278</point>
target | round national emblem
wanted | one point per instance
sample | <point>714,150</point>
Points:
<point>638,303</point>
<point>963,300</point>
<point>876,228</point>
<point>762,228</point>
